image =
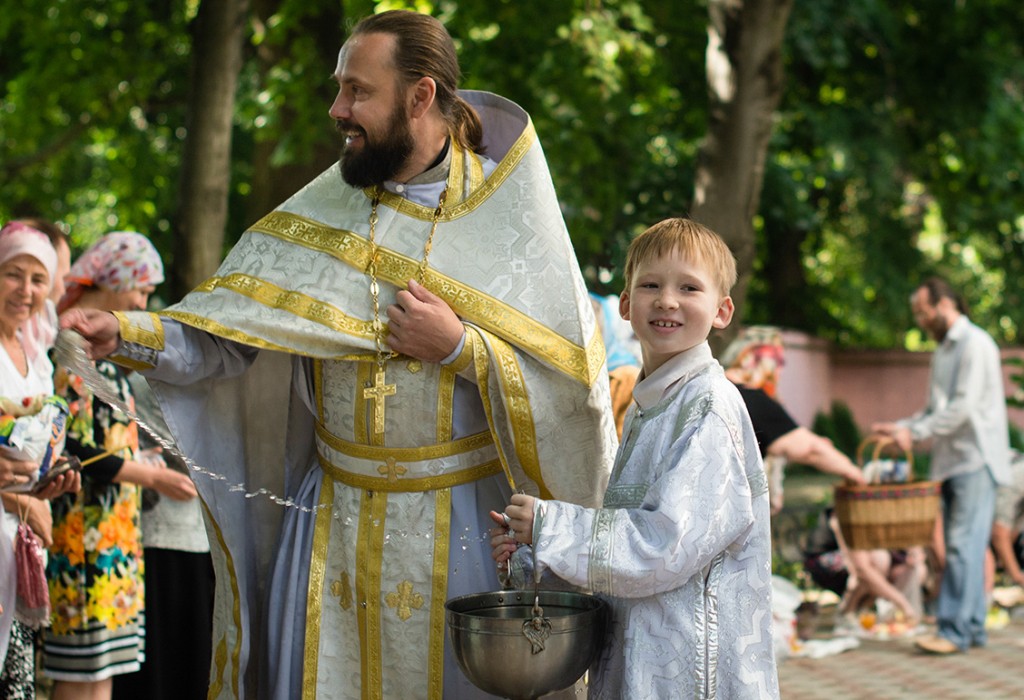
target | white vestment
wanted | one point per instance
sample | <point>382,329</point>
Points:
<point>355,607</point>
<point>681,549</point>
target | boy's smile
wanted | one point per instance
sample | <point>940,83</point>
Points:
<point>672,305</point>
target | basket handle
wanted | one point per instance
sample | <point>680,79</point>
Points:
<point>881,443</point>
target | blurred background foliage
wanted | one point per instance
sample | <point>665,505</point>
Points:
<point>896,151</point>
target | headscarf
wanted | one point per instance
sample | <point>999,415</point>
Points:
<point>118,262</point>
<point>754,358</point>
<point>17,239</point>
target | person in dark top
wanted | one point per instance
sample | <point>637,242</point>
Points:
<point>752,363</point>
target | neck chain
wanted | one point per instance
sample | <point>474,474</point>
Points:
<point>379,389</point>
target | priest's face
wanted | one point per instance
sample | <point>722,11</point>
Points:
<point>370,111</point>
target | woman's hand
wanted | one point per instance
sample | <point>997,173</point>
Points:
<point>16,472</point>
<point>173,484</point>
<point>68,482</point>
<point>153,474</point>
<point>36,513</point>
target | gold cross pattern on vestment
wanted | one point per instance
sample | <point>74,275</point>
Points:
<point>342,590</point>
<point>376,393</point>
<point>392,470</point>
<point>404,600</point>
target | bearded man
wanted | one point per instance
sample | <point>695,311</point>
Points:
<point>965,419</point>
<point>443,352</point>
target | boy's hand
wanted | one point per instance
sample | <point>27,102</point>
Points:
<point>515,527</point>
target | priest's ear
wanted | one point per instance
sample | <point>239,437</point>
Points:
<point>423,92</point>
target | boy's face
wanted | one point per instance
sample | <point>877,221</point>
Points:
<point>672,304</point>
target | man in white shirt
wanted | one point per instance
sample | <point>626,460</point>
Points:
<point>965,418</point>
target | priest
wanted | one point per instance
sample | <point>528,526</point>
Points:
<point>441,351</point>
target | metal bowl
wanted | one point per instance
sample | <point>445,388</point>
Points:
<point>492,649</point>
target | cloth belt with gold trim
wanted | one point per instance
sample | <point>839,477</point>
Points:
<point>399,469</point>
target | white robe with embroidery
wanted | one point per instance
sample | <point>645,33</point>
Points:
<point>681,549</point>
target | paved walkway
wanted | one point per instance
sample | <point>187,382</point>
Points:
<point>895,670</point>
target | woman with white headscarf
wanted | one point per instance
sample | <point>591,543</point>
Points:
<point>95,569</point>
<point>28,265</point>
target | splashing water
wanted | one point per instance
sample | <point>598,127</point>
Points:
<point>69,348</point>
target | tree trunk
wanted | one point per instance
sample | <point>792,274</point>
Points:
<point>744,73</point>
<point>217,35</point>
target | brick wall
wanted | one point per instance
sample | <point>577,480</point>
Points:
<point>877,385</point>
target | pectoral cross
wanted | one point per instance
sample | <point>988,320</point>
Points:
<point>376,393</point>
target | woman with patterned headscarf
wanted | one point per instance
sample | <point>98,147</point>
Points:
<point>754,358</point>
<point>95,570</point>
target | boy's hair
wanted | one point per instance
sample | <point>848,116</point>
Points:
<point>691,240</point>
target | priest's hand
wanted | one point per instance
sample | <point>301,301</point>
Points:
<point>422,325</point>
<point>100,330</point>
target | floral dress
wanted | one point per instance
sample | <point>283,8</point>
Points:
<point>95,570</point>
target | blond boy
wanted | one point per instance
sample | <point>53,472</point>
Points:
<point>681,547</point>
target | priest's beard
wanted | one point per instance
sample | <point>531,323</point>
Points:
<point>378,160</point>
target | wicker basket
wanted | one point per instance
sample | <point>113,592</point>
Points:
<point>886,516</point>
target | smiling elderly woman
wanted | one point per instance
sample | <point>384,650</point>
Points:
<point>28,263</point>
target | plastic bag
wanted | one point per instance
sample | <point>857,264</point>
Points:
<point>34,437</point>
<point>886,471</point>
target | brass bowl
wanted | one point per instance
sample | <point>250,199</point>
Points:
<point>491,648</point>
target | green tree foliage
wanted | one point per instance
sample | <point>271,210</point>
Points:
<point>896,156</point>
<point>839,426</point>
<point>91,114</point>
<point>617,94</point>
<point>896,151</point>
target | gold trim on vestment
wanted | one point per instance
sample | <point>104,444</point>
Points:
<point>369,562</point>
<point>417,484</point>
<point>318,385</point>
<point>445,402</point>
<point>439,593</point>
<point>236,608</point>
<point>219,329</point>
<point>360,430</point>
<point>581,363</point>
<point>404,454</point>
<point>132,332</point>
<point>517,402</point>
<point>456,182</point>
<point>315,589</point>
<point>476,172</point>
<point>465,358</point>
<point>478,195</point>
<point>220,660</point>
<point>302,305</point>
<point>482,360</point>
<point>130,363</point>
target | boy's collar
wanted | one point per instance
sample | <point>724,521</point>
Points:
<point>650,390</point>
